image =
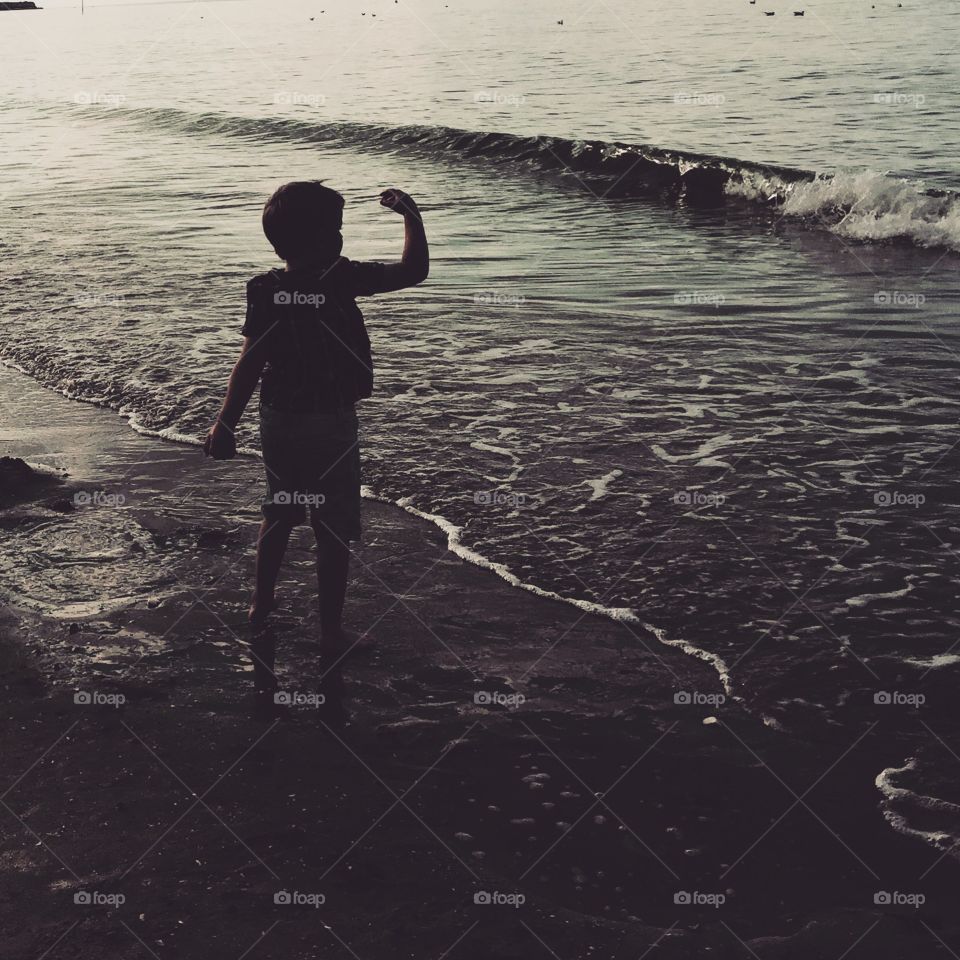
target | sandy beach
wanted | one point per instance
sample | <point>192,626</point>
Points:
<point>504,776</point>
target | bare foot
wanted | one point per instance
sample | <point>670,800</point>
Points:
<point>261,609</point>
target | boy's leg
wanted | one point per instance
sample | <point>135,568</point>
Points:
<point>333,565</point>
<point>271,546</point>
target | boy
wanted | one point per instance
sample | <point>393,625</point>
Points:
<point>305,342</point>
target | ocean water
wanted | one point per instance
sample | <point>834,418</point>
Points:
<point>689,349</point>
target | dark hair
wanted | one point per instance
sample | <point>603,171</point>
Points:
<point>302,217</point>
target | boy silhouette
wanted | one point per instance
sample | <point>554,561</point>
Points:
<point>306,344</point>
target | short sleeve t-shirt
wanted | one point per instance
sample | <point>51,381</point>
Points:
<point>318,356</point>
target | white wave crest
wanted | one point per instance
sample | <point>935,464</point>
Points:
<point>898,801</point>
<point>861,205</point>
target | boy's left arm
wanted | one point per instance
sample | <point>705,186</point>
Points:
<point>414,265</point>
<point>221,441</point>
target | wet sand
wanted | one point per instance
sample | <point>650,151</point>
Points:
<point>494,743</point>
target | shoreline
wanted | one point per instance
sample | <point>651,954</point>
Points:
<point>576,779</point>
<point>447,527</point>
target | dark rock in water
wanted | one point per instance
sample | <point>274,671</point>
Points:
<point>19,482</point>
<point>25,5</point>
<point>14,473</point>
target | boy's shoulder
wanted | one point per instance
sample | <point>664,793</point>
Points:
<point>263,281</point>
<point>351,277</point>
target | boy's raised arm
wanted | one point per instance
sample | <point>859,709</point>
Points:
<point>414,265</point>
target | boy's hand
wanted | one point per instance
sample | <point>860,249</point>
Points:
<point>399,202</point>
<point>414,265</point>
<point>221,444</point>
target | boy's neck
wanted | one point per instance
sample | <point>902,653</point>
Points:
<point>306,263</point>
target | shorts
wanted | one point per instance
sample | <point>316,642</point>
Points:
<point>312,460</point>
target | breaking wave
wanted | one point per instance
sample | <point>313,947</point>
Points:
<point>864,205</point>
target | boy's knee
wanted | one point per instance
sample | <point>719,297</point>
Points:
<point>327,537</point>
